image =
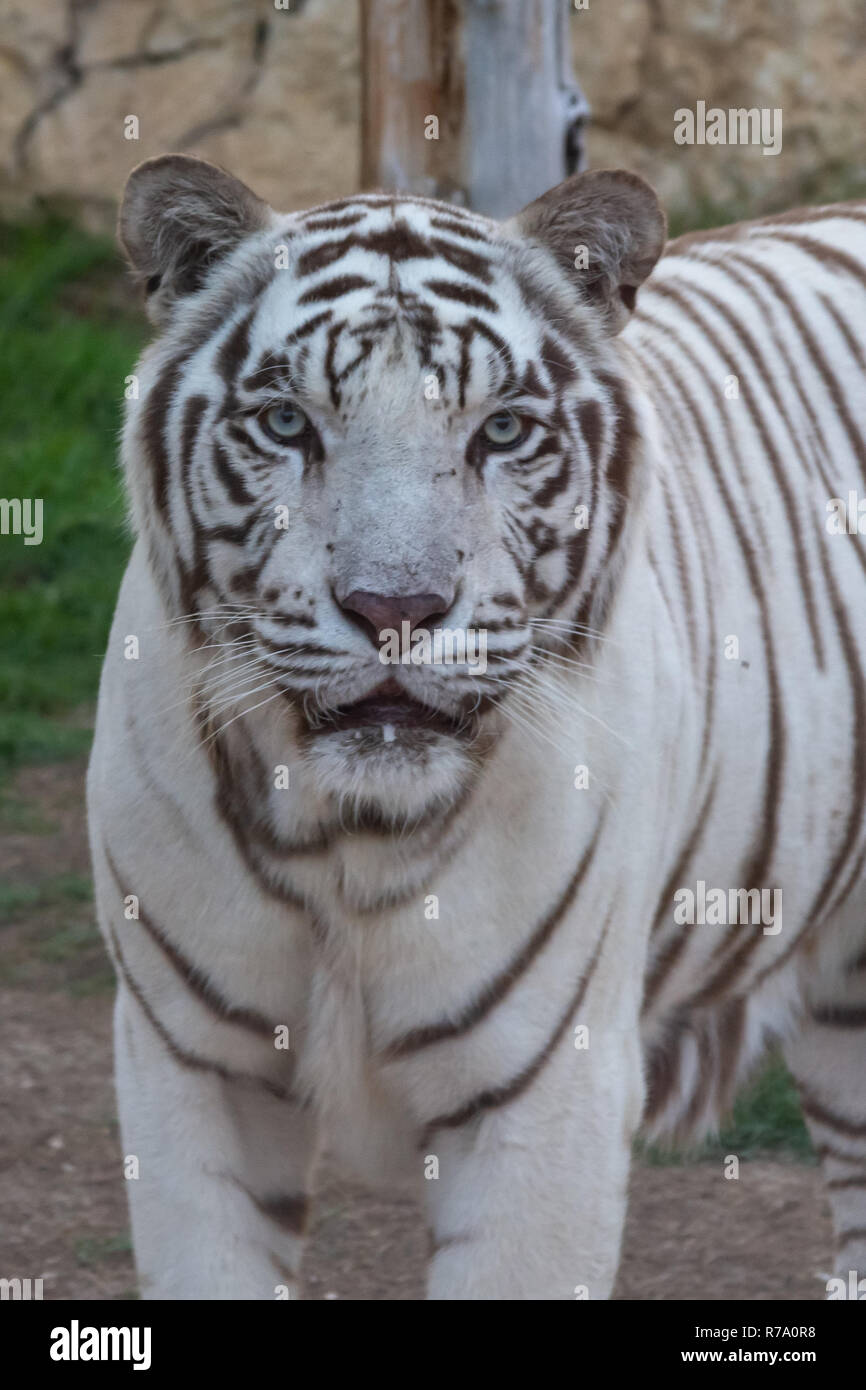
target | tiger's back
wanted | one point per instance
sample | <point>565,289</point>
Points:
<point>752,348</point>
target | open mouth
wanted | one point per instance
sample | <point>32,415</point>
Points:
<point>388,707</point>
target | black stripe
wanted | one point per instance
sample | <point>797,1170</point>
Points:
<point>761,227</point>
<point>822,904</point>
<point>850,341</point>
<point>685,575</point>
<point>825,254</point>
<point>591,423</point>
<point>289,1211</point>
<point>821,451</point>
<point>463,294</point>
<point>461,258</point>
<point>744,337</point>
<point>498,1096</point>
<point>672,420</point>
<point>285,1274</point>
<point>331,222</point>
<point>840,1015</point>
<point>825,1151</point>
<point>326,254</point>
<point>335,288</point>
<point>437,1243</point>
<point>194,576</point>
<point>233,483</point>
<point>448,224</point>
<point>722,417</point>
<point>816,356</point>
<point>154,415</point>
<point>191,974</point>
<point>818,1112</point>
<point>191,1060</point>
<point>309,326</point>
<point>668,957</point>
<point>235,350</point>
<point>754,871</point>
<point>497,989</point>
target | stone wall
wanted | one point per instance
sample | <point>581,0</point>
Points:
<point>644,59</point>
<point>273,94</point>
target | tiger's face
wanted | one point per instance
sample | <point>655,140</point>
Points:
<point>388,444</point>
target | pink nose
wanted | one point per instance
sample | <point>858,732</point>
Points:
<point>378,612</point>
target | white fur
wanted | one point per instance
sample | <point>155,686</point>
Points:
<point>530,1198</point>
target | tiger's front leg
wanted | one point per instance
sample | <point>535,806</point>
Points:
<point>218,1168</point>
<point>530,1199</point>
<point>217,1151</point>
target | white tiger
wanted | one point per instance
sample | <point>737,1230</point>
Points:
<point>432,914</point>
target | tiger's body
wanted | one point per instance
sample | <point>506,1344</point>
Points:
<point>475,955</point>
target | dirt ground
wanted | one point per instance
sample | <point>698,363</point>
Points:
<point>691,1234</point>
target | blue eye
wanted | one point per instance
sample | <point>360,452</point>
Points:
<point>502,429</point>
<point>284,422</point>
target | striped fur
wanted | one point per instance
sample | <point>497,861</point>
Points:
<point>400,324</point>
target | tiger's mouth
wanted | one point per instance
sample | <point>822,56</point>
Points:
<point>387,708</point>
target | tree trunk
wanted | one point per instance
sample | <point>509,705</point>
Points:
<point>473,101</point>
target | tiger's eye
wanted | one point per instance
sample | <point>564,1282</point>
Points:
<point>502,429</point>
<point>286,421</point>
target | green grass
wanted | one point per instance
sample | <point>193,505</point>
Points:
<point>17,899</point>
<point>67,345</point>
<point>22,816</point>
<point>828,185</point>
<point>95,1250</point>
<point>50,939</point>
<point>767,1116</point>
<point>767,1119</point>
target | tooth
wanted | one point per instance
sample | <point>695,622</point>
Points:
<point>388,733</point>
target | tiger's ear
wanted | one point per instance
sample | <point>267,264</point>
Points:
<point>606,230</point>
<point>179,215</point>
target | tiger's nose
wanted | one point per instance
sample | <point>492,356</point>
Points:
<point>375,613</point>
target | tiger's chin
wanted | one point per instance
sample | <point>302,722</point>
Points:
<point>390,777</point>
<point>390,759</point>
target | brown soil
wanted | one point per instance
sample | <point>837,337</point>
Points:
<point>691,1233</point>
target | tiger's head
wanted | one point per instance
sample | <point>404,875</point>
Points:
<point>371,423</point>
